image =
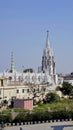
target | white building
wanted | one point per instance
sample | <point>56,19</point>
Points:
<point>69,78</point>
<point>17,84</point>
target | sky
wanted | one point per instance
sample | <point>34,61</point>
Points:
<point>23,26</point>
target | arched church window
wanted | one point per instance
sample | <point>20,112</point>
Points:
<point>49,57</point>
<point>19,78</point>
<point>48,62</point>
<point>48,52</point>
<point>39,78</point>
<point>33,78</point>
<point>26,79</point>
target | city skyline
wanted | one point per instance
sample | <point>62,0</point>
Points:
<point>23,27</point>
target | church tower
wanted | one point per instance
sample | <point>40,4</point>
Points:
<point>48,64</point>
<point>12,63</point>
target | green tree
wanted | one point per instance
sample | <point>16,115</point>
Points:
<point>67,88</point>
<point>52,97</point>
<point>28,70</point>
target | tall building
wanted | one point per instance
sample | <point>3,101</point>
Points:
<point>48,63</point>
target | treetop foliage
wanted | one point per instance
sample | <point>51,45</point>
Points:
<point>28,70</point>
<point>51,97</point>
<point>67,88</point>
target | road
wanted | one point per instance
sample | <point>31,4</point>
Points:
<point>44,126</point>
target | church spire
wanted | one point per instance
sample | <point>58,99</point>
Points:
<point>48,58</point>
<point>47,40</point>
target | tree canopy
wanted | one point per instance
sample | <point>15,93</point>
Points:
<point>67,88</point>
<point>28,70</point>
<point>51,97</point>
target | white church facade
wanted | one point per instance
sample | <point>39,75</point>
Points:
<point>21,84</point>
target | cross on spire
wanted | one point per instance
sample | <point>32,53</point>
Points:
<point>47,40</point>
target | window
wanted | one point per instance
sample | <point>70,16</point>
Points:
<point>22,90</point>
<point>33,90</point>
<point>39,78</point>
<point>27,90</point>
<point>33,78</point>
<point>17,91</point>
<point>38,89</point>
<point>1,82</point>
<point>48,62</point>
